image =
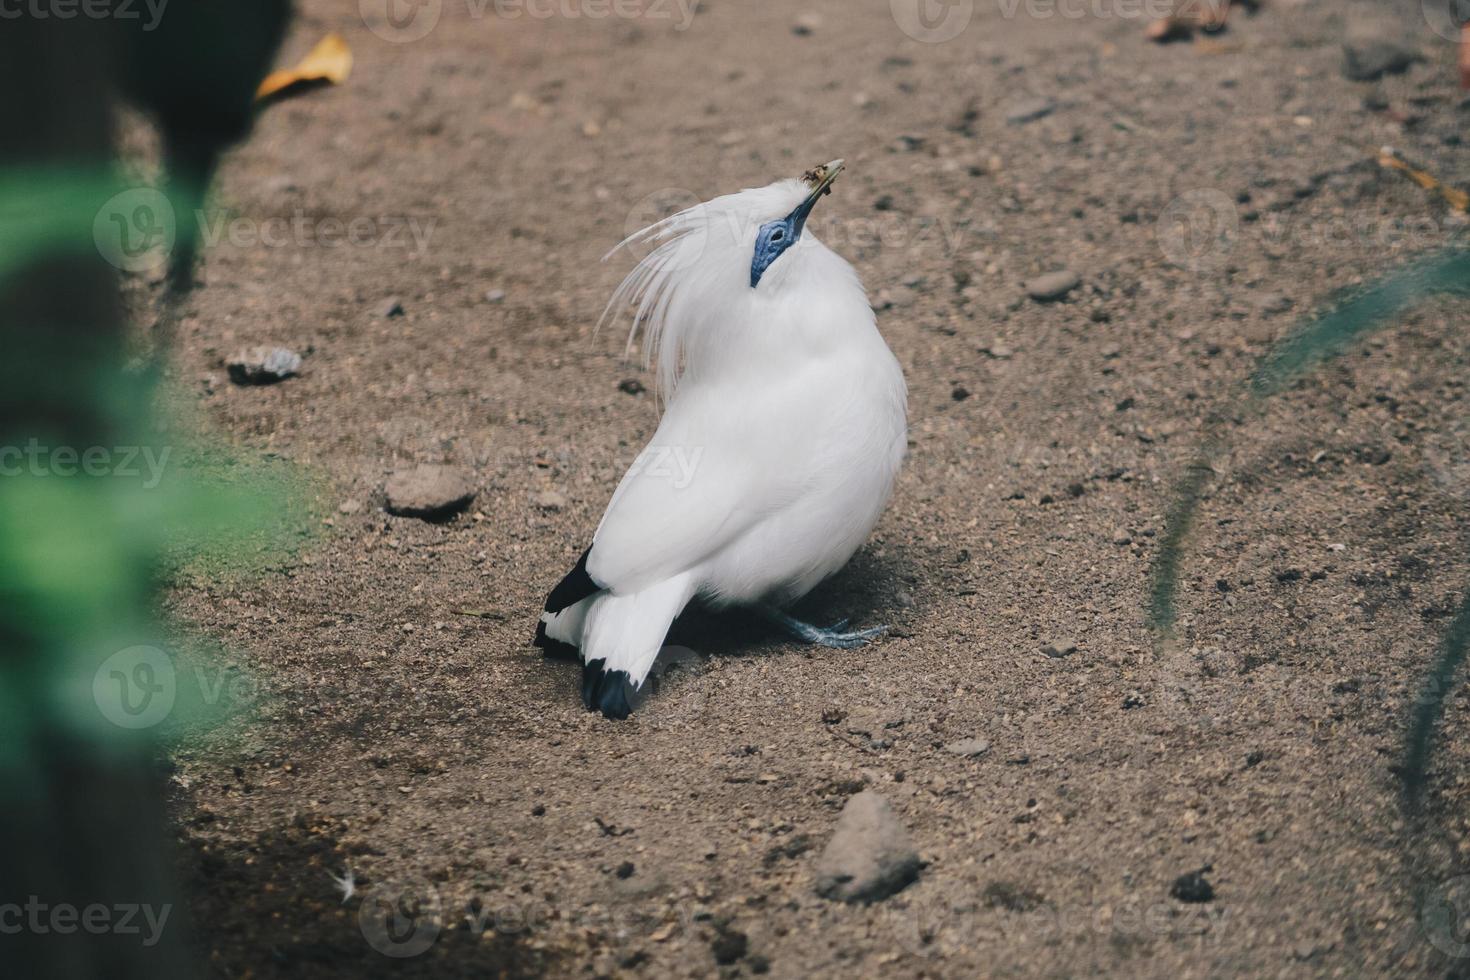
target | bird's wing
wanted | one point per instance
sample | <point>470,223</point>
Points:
<point>701,482</point>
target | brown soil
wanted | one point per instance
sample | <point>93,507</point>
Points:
<point>411,743</point>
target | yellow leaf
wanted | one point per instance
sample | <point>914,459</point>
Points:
<point>330,62</point>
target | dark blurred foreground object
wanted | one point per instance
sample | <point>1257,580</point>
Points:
<point>196,73</point>
<point>85,867</point>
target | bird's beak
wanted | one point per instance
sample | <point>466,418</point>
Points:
<point>823,177</point>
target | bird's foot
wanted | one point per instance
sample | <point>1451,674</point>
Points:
<point>835,636</point>
<point>608,691</point>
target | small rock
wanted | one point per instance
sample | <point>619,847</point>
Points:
<point>625,870</point>
<point>429,491</point>
<point>1122,537</point>
<point>1271,304</point>
<point>349,507</point>
<point>968,747</point>
<point>729,944</point>
<point>806,24</point>
<point>1052,286</point>
<point>390,308</point>
<point>1132,700</point>
<point>1059,648</point>
<point>495,296</point>
<point>869,856</point>
<point>1371,60</point>
<point>551,500</point>
<point>631,386</point>
<point>959,393</point>
<point>1029,110</point>
<point>263,365</point>
<point>1193,887</point>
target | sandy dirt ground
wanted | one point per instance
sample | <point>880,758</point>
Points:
<point>446,764</point>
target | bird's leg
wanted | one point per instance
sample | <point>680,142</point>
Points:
<point>832,636</point>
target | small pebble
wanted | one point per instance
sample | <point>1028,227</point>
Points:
<point>1029,110</point>
<point>968,747</point>
<point>1052,286</point>
<point>1059,648</point>
<point>428,491</point>
<point>551,500</point>
<point>262,365</point>
<point>1193,887</point>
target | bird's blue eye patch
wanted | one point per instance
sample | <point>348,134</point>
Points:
<point>774,238</point>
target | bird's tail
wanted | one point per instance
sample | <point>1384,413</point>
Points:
<point>619,637</point>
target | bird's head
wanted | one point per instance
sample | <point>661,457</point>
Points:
<point>719,287</point>
<point>775,237</point>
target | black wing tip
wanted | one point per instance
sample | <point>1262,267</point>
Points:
<point>576,586</point>
<point>554,649</point>
<point>608,691</point>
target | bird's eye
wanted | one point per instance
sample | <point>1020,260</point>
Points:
<point>777,235</point>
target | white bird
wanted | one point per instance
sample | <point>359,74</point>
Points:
<point>782,435</point>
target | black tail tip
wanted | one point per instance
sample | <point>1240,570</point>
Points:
<point>608,691</point>
<point>553,649</point>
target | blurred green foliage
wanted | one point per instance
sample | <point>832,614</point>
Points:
<point>84,550</point>
<point>1315,341</point>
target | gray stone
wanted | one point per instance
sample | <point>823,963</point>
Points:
<point>429,491</point>
<point>1029,110</point>
<point>869,856</point>
<point>968,747</point>
<point>551,500</point>
<point>1270,304</point>
<point>1371,60</point>
<point>1059,648</point>
<point>262,365</point>
<point>1052,286</point>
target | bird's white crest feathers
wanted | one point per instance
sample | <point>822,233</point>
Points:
<point>698,264</point>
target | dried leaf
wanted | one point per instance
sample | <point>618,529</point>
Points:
<point>330,62</point>
<point>1389,158</point>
